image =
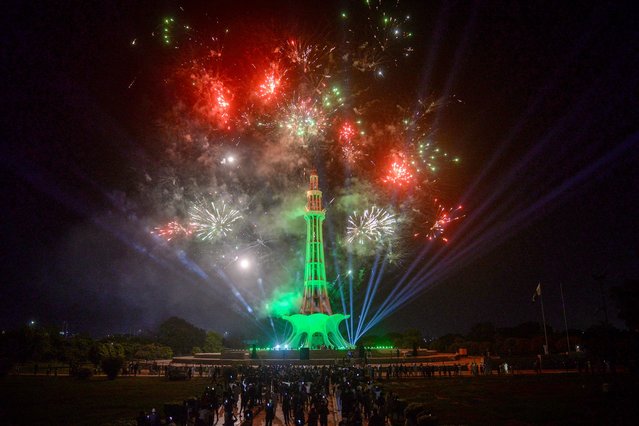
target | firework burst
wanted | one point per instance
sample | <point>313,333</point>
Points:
<point>210,222</point>
<point>346,136</point>
<point>373,225</point>
<point>172,230</point>
<point>308,56</point>
<point>436,228</point>
<point>304,121</point>
<point>271,85</point>
<point>399,174</point>
<point>283,102</point>
<point>213,98</point>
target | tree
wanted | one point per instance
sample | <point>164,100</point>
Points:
<point>111,358</point>
<point>523,330</point>
<point>482,332</point>
<point>94,354</point>
<point>234,341</point>
<point>411,339</point>
<point>111,350</point>
<point>626,298</point>
<point>443,343</point>
<point>213,342</point>
<point>153,351</point>
<point>111,366</point>
<point>180,335</point>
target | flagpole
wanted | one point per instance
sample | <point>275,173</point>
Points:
<point>563,305</point>
<point>543,318</point>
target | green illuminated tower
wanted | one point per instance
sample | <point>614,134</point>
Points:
<point>315,325</point>
<point>315,287</point>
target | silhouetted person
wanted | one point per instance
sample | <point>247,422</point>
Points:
<point>313,417</point>
<point>323,414</point>
<point>270,412</point>
<point>286,408</point>
<point>299,415</point>
<point>376,419</point>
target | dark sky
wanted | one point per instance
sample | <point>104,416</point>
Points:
<point>547,130</point>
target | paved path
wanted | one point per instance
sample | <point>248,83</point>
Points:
<point>334,416</point>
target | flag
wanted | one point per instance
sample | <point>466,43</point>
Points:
<point>537,292</point>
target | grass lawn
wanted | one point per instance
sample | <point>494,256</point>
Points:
<point>42,400</point>
<point>553,399</point>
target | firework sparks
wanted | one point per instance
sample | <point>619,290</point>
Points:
<point>213,98</point>
<point>304,121</point>
<point>374,225</point>
<point>172,230</point>
<point>307,55</point>
<point>167,27</point>
<point>260,100</point>
<point>346,132</point>
<point>271,85</point>
<point>210,222</point>
<point>399,174</point>
<point>332,99</point>
<point>432,158</point>
<point>443,218</point>
<point>346,135</point>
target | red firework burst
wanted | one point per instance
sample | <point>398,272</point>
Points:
<point>172,230</point>
<point>214,99</point>
<point>271,85</point>
<point>400,174</point>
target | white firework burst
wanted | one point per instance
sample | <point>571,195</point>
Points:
<point>373,225</point>
<point>211,221</point>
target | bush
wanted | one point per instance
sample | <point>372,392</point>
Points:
<point>111,366</point>
<point>174,373</point>
<point>84,373</point>
<point>6,365</point>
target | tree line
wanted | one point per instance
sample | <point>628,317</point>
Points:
<point>46,344</point>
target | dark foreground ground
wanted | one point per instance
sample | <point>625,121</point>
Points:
<point>553,399</point>
<point>547,399</point>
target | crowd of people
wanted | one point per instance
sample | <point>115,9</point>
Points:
<point>304,395</point>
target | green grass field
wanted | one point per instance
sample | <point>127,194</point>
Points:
<point>553,399</point>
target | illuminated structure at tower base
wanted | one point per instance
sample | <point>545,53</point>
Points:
<point>316,330</point>
<point>315,326</point>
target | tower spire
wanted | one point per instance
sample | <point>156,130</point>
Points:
<point>315,287</point>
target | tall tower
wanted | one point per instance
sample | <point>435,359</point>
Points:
<point>315,287</point>
<point>316,325</point>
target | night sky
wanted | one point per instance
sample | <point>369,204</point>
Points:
<point>545,118</point>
